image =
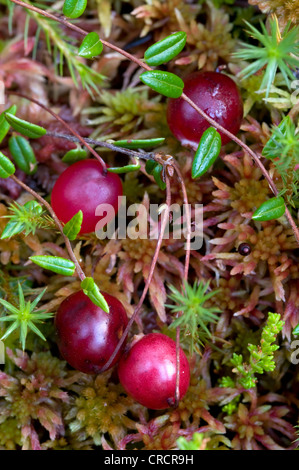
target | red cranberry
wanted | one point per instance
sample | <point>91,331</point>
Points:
<point>84,186</point>
<point>217,95</point>
<point>86,335</point>
<point>148,371</point>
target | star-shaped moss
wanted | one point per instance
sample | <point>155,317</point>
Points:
<point>24,316</point>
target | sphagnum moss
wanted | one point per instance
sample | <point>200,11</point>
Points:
<point>44,403</point>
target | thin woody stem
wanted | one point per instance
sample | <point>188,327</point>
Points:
<point>110,146</point>
<point>187,258</point>
<point>251,153</point>
<point>57,222</point>
<point>143,65</point>
<point>186,271</point>
<point>77,29</point>
<point>165,217</point>
<point>65,124</point>
<point>188,219</point>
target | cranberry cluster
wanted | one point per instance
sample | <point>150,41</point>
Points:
<point>86,335</point>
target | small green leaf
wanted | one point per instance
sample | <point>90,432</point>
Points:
<point>93,293</point>
<point>125,169</point>
<point>271,209</point>
<point>166,49</point>
<point>12,228</point>
<point>157,175</point>
<point>7,168</point>
<point>73,226</point>
<point>26,128</point>
<point>153,168</point>
<point>74,8</point>
<point>150,166</point>
<point>4,125</point>
<point>56,264</point>
<point>75,155</point>
<point>34,207</point>
<point>91,46</point>
<point>166,83</point>
<point>296,330</point>
<point>23,154</point>
<point>207,151</point>
<point>139,143</point>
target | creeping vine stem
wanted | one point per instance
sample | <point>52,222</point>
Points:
<point>143,65</point>
<point>165,216</point>
<point>57,222</point>
<point>168,169</point>
<point>65,124</point>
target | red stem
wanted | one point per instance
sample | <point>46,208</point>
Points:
<point>65,124</point>
<point>57,222</point>
<point>149,279</point>
<point>186,271</point>
<point>142,64</point>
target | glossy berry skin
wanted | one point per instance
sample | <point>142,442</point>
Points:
<point>217,95</point>
<point>86,335</point>
<point>84,186</point>
<point>148,371</point>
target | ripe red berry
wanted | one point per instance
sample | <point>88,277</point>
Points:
<point>86,335</point>
<point>84,186</point>
<point>217,95</point>
<point>148,371</point>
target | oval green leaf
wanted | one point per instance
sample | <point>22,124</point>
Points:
<point>73,226</point>
<point>34,206</point>
<point>91,46</point>
<point>296,330</point>
<point>150,166</point>
<point>4,125</point>
<point>139,143</point>
<point>23,154</point>
<point>33,131</point>
<point>56,264</point>
<point>166,83</point>
<point>125,169</point>
<point>158,178</point>
<point>74,8</point>
<point>271,209</point>
<point>166,49</point>
<point>93,293</point>
<point>7,168</point>
<point>207,151</point>
<point>75,155</point>
<point>11,228</point>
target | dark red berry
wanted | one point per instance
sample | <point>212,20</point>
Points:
<point>217,95</point>
<point>244,249</point>
<point>148,371</point>
<point>86,335</point>
<point>84,186</point>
